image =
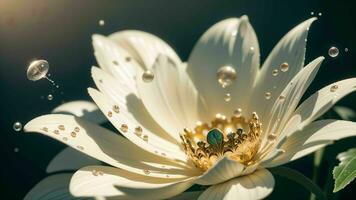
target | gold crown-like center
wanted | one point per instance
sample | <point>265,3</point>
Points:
<point>237,138</point>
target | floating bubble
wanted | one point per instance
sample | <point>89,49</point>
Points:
<point>147,76</point>
<point>333,52</point>
<point>227,97</point>
<point>311,13</point>
<point>17,126</point>
<point>101,22</point>
<point>320,14</point>
<point>37,70</point>
<point>275,72</point>
<point>238,112</point>
<point>226,75</point>
<point>16,150</point>
<point>268,95</point>
<point>50,97</point>
<point>346,50</point>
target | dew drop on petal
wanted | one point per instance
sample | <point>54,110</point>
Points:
<point>147,76</point>
<point>50,97</point>
<point>334,88</point>
<point>227,97</point>
<point>268,95</point>
<point>281,97</point>
<point>284,67</point>
<point>275,72</point>
<point>116,108</point>
<point>226,75</point>
<point>124,128</point>
<point>101,22</point>
<point>37,70</point>
<point>17,126</point>
<point>333,52</point>
<point>146,171</point>
<point>272,137</point>
<point>138,131</point>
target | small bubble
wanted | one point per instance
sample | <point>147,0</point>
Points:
<point>145,138</point>
<point>272,137</point>
<point>61,127</point>
<point>268,95</point>
<point>311,13</point>
<point>50,97</point>
<point>320,14</point>
<point>56,132</point>
<point>65,139</point>
<point>128,59</point>
<point>115,62</point>
<point>238,112</point>
<point>334,88</point>
<point>94,172</point>
<point>146,171</point>
<point>16,150</point>
<point>101,22</point>
<point>284,67</point>
<point>37,70</point>
<point>226,75</point>
<point>77,129</point>
<point>80,147</point>
<point>116,108</point>
<point>109,114</point>
<point>147,76</point>
<point>138,131</point>
<point>346,50</point>
<point>275,72</point>
<point>124,128</point>
<point>281,97</point>
<point>73,134</point>
<point>17,126</point>
<point>333,52</point>
<point>227,97</point>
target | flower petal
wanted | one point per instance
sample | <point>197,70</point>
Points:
<point>150,142</point>
<point>290,49</point>
<point>84,109</point>
<point>311,138</point>
<point>104,145</point>
<point>115,60</point>
<point>113,182</point>
<point>254,186</point>
<point>228,42</point>
<point>222,171</point>
<point>55,187</point>
<point>143,47</point>
<point>70,159</point>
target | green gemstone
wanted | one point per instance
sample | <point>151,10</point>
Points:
<point>215,137</point>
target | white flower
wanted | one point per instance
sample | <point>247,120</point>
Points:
<point>182,99</point>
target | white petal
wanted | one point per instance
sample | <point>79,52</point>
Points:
<point>113,59</point>
<point>187,195</point>
<point>104,145</point>
<point>290,49</point>
<point>130,105</point>
<point>113,182</point>
<point>293,92</point>
<point>70,159</point>
<point>143,47</point>
<point>311,138</point>
<point>254,186</point>
<point>228,42</point>
<point>84,109</point>
<point>222,171</point>
<point>154,145</point>
<point>317,104</point>
<point>55,187</point>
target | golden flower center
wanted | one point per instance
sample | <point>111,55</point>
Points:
<point>237,138</point>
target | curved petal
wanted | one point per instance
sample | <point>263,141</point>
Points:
<point>104,145</point>
<point>317,104</point>
<point>113,182</point>
<point>222,171</point>
<point>311,138</point>
<point>143,47</point>
<point>230,42</point>
<point>254,186</point>
<point>116,61</point>
<point>55,187</point>
<point>290,49</point>
<point>145,140</point>
<point>84,109</point>
<point>70,159</point>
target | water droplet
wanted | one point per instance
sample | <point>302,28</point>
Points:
<point>116,108</point>
<point>138,131</point>
<point>94,172</point>
<point>146,171</point>
<point>284,67</point>
<point>272,137</point>
<point>109,114</point>
<point>346,50</point>
<point>226,75</point>
<point>16,150</point>
<point>275,72</point>
<point>61,127</point>
<point>320,14</point>
<point>128,59</point>
<point>281,97</point>
<point>37,70</point>
<point>80,147</point>
<point>238,112</point>
<point>227,97</point>
<point>147,76</point>
<point>73,134</point>
<point>333,52</point>
<point>124,128</point>
<point>115,62</point>
<point>101,22</point>
<point>311,13</point>
<point>145,138</point>
<point>268,95</point>
<point>17,126</point>
<point>50,97</point>
<point>334,88</point>
<point>77,129</point>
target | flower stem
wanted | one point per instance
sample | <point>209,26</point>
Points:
<point>318,155</point>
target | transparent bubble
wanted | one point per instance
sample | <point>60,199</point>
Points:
<point>311,13</point>
<point>101,22</point>
<point>346,50</point>
<point>50,97</point>
<point>284,67</point>
<point>268,95</point>
<point>16,150</point>
<point>17,126</point>
<point>227,97</point>
<point>275,72</point>
<point>147,76</point>
<point>37,70</point>
<point>333,52</point>
<point>226,75</point>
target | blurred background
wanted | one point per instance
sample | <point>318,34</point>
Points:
<point>60,32</point>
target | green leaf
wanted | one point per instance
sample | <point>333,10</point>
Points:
<point>299,178</point>
<point>345,172</point>
<point>345,113</point>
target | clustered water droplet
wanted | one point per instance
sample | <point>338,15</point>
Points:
<point>275,72</point>
<point>226,75</point>
<point>17,126</point>
<point>333,52</point>
<point>227,97</point>
<point>147,76</point>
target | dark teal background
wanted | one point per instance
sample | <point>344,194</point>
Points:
<point>60,32</point>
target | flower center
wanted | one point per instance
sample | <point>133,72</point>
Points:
<point>237,138</point>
